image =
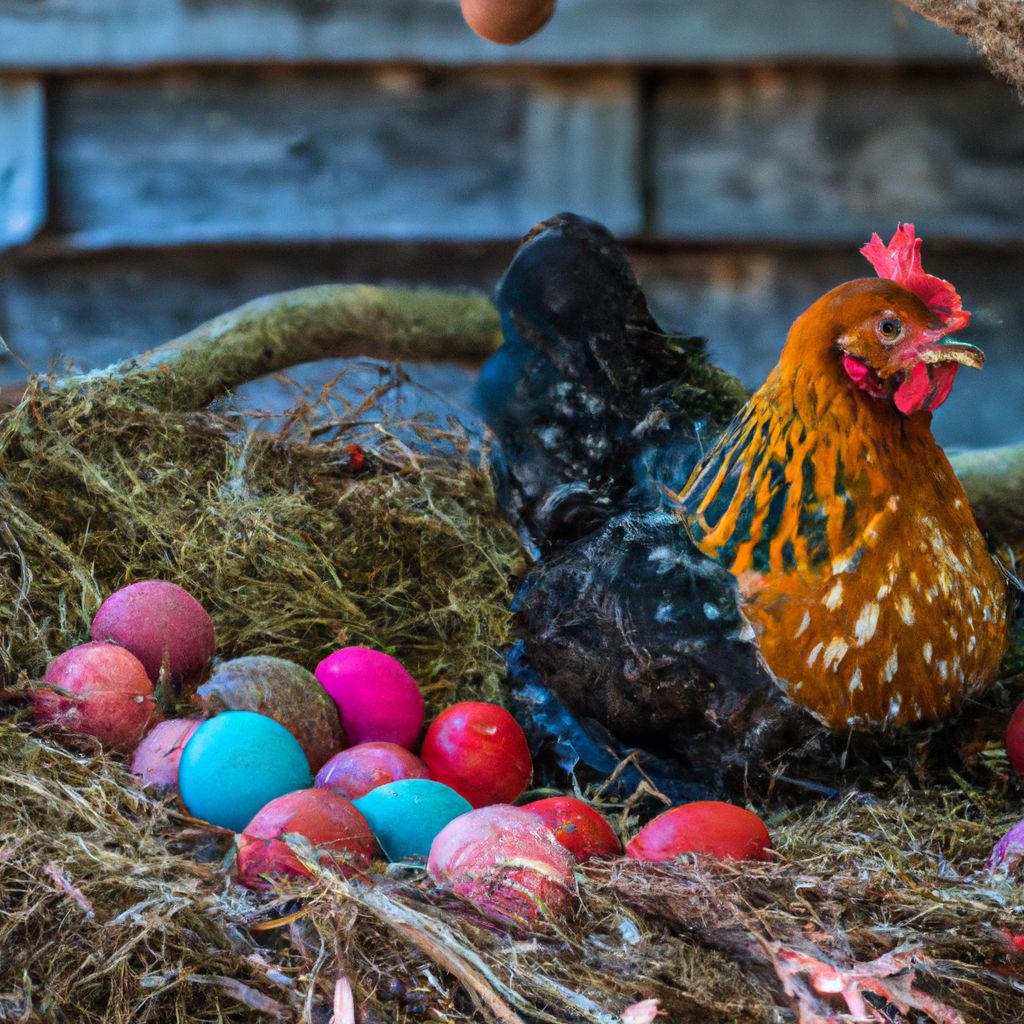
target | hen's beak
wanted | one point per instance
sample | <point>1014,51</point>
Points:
<point>949,350</point>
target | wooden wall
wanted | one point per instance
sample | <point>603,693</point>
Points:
<point>162,160</point>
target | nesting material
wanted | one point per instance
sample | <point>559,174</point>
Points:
<point>379,533</point>
<point>868,893</point>
<point>115,907</point>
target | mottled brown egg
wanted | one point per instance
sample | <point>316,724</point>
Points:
<point>507,21</point>
<point>280,690</point>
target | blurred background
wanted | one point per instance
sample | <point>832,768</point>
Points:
<point>164,160</point>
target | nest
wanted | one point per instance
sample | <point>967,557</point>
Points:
<point>336,525</point>
<point>341,524</point>
<point>115,908</point>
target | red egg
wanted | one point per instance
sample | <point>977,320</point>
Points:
<point>156,620</point>
<point>1015,739</point>
<point>577,826</point>
<point>706,826</point>
<point>105,694</point>
<point>156,758</point>
<point>507,863</point>
<point>354,772</point>
<point>480,751</point>
<point>377,699</point>
<point>507,21</point>
<point>328,822</point>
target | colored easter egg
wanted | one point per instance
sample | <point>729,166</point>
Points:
<point>236,763</point>
<point>584,832</point>
<point>354,772</point>
<point>377,699</point>
<point>156,758</point>
<point>1015,739</point>
<point>99,690</point>
<point>407,815</point>
<point>705,826</point>
<point>507,863</point>
<point>329,823</point>
<point>1009,851</point>
<point>281,690</point>
<point>157,620</point>
<point>507,21</point>
<point>480,751</point>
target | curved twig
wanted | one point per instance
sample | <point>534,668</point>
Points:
<point>288,328</point>
<point>994,481</point>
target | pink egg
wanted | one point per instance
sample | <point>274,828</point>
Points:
<point>156,620</point>
<point>100,690</point>
<point>156,758</point>
<point>1009,851</point>
<point>376,697</point>
<point>507,863</point>
<point>354,772</point>
<point>339,834</point>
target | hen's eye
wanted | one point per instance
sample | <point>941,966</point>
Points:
<point>890,329</point>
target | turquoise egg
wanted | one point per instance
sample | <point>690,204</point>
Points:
<point>406,815</point>
<point>237,762</point>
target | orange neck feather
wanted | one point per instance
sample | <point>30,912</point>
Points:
<point>795,480</point>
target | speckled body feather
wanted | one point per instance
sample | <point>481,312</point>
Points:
<point>858,559</point>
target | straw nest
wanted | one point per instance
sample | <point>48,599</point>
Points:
<point>113,907</point>
<point>334,525</point>
<point>341,525</point>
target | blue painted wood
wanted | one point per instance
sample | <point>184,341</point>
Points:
<point>810,155</point>
<point>22,161</point>
<point>63,34</point>
<point>243,157</point>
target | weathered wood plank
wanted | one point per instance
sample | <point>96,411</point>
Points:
<point>22,160</point>
<point>256,156</point>
<point>808,155</point>
<point>102,307</point>
<point>63,34</point>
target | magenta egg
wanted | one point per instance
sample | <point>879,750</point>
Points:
<point>377,699</point>
<point>354,772</point>
<point>159,622</point>
<point>1009,851</point>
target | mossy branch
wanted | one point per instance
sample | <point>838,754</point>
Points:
<point>994,481</point>
<point>288,328</point>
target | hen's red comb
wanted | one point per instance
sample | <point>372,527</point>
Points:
<point>900,261</point>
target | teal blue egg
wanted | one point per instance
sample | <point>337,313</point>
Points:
<point>237,762</point>
<point>406,815</point>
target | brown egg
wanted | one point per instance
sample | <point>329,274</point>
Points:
<point>507,21</point>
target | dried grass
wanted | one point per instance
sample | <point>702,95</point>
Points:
<point>114,907</point>
<point>290,545</point>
